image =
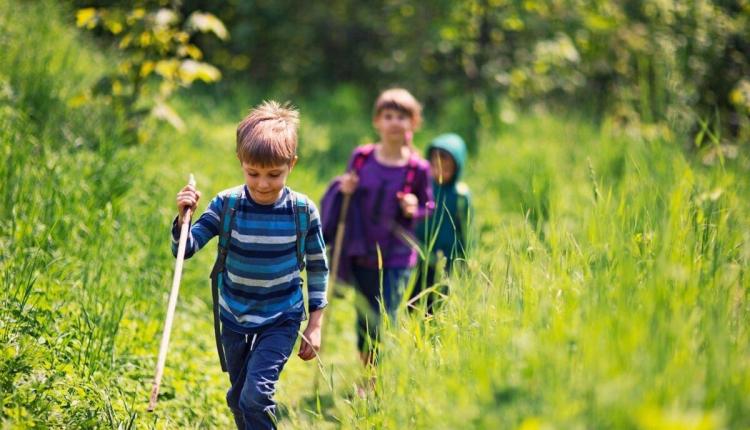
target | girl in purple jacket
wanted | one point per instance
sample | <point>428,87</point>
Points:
<point>389,184</point>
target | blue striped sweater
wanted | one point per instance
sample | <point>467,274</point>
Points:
<point>262,282</point>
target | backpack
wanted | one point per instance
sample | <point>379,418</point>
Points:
<point>411,172</point>
<point>301,210</point>
<point>329,208</point>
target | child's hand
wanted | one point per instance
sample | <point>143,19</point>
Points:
<point>187,198</point>
<point>310,344</point>
<point>349,182</point>
<point>408,204</point>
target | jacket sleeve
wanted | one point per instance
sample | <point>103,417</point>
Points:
<point>203,230</point>
<point>317,263</point>
<point>466,214</point>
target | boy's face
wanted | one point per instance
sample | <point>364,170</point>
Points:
<point>392,125</point>
<point>266,183</point>
<point>442,166</point>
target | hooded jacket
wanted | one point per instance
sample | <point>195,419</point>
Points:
<point>452,204</point>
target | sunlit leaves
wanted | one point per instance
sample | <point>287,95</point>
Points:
<point>558,50</point>
<point>598,22</point>
<point>191,51</point>
<point>740,95</point>
<point>191,70</point>
<point>146,68</point>
<point>157,47</point>
<point>164,18</point>
<point>513,23</point>
<point>86,17</point>
<point>167,68</point>
<point>205,23</point>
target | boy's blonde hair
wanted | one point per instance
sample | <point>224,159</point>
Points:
<point>401,100</point>
<point>268,134</point>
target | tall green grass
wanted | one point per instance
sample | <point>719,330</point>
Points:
<point>606,286</point>
<point>623,306</point>
<point>66,261</point>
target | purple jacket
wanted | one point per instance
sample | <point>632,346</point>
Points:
<point>374,218</point>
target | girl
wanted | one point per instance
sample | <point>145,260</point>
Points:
<point>390,191</point>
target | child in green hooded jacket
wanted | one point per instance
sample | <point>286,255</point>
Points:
<point>444,233</point>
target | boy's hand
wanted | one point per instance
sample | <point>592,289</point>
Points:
<point>409,204</point>
<point>349,182</point>
<point>310,344</point>
<point>187,198</point>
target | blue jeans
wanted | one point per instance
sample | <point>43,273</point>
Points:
<point>254,362</point>
<point>367,281</point>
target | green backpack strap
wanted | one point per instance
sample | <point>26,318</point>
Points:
<point>301,210</point>
<point>225,225</point>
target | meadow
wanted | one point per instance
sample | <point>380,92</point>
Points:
<point>607,285</point>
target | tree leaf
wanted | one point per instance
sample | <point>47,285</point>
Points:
<point>167,68</point>
<point>206,22</point>
<point>191,70</point>
<point>86,17</point>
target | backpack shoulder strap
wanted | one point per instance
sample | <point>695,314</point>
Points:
<point>225,230</point>
<point>362,156</point>
<point>225,222</point>
<point>301,210</point>
<point>411,174</point>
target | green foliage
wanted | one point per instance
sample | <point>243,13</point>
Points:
<point>155,48</point>
<point>643,62</point>
<point>615,317</point>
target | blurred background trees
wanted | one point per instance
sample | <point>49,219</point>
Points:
<point>660,66</point>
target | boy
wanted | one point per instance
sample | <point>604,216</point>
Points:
<point>447,226</point>
<point>265,248</point>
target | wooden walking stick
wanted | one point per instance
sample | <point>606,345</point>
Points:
<point>338,241</point>
<point>333,270</point>
<point>335,258</point>
<point>184,229</point>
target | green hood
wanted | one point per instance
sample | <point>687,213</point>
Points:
<point>455,146</point>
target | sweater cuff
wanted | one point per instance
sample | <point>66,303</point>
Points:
<point>175,230</point>
<point>312,307</point>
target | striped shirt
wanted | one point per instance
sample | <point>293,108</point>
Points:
<point>261,282</point>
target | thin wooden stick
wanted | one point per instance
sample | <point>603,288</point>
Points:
<point>172,305</point>
<point>335,259</point>
<point>337,243</point>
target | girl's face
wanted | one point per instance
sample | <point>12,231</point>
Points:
<point>266,183</point>
<point>392,125</point>
<point>442,166</point>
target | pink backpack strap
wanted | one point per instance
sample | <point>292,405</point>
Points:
<point>362,156</point>
<point>411,173</point>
